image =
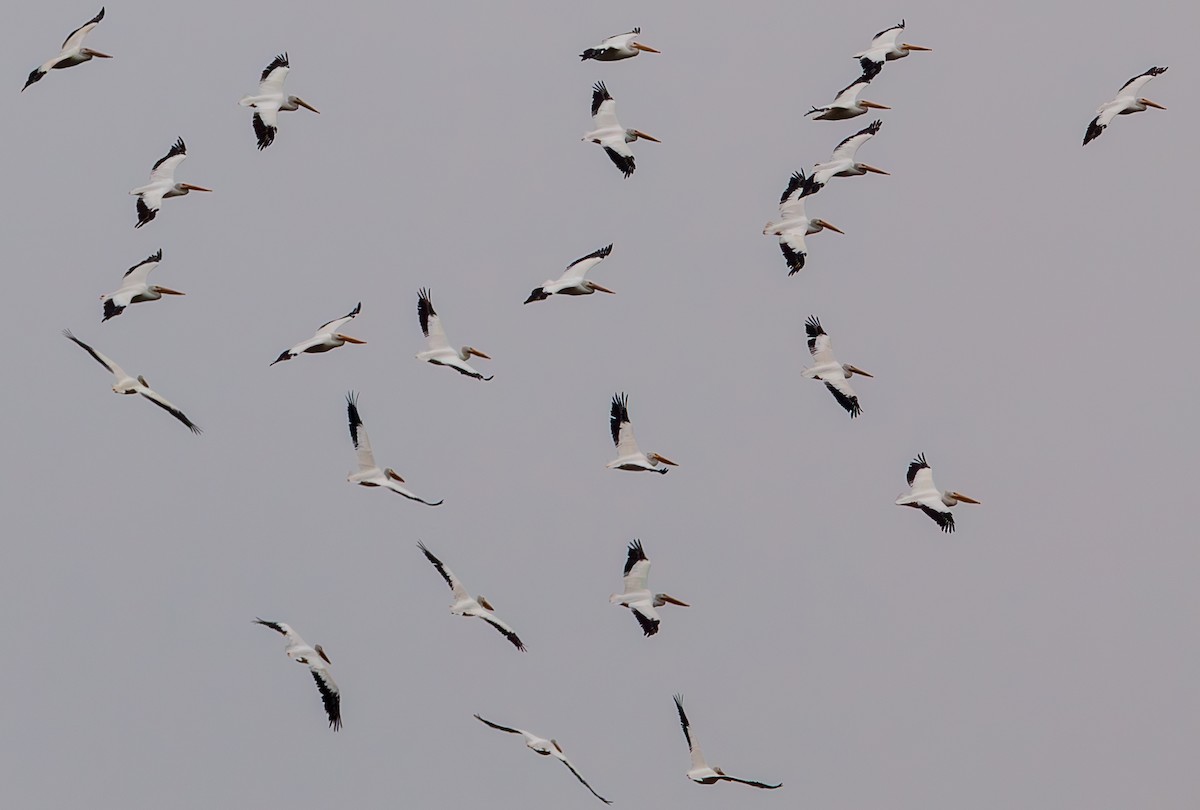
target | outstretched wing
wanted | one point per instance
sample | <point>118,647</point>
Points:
<point>847,149</point>
<point>455,585</point>
<point>162,402</point>
<point>604,108</point>
<point>164,169</point>
<point>844,394</point>
<point>558,753</point>
<point>697,757</point>
<point>621,156</point>
<point>819,344</point>
<point>499,727</point>
<point>76,37</point>
<point>338,323</point>
<point>431,324</point>
<point>330,695</point>
<point>504,629</point>
<point>1134,86</point>
<point>577,269</point>
<point>647,617</point>
<point>750,782</point>
<point>621,427</point>
<point>637,567</point>
<point>945,520</point>
<point>103,360</point>
<point>271,81</point>
<point>358,434</point>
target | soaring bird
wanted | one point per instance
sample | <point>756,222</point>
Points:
<point>466,605</point>
<point>847,104</point>
<point>270,101</point>
<point>572,281</point>
<point>925,495</point>
<point>439,352</point>
<point>328,336</point>
<point>608,132</point>
<point>883,48</point>
<point>162,184</point>
<point>1127,101</point>
<point>842,163</point>
<point>135,289</point>
<point>828,370</point>
<point>636,596</point>
<point>369,474</point>
<point>620,46</point>
<point>629,457</point>
<point>73,53</point>
<point>794,224</point>
<point>541,745</point>
<point>318,664</point>
<point>700,771</point>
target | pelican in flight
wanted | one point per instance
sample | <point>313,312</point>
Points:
<point>609,133</point>
<point>621,46</point>
<point>126,384</point>
<point>847,104</point>
<point>700,770</point>
<point>135,289</point>
<point>73,53</point>
<point>925,495</point>
<point>828,370</point>
<point>369,474</point>
<point>629,457</point>
<point>540,745</point>
<point>270,101</point>
<point>328,336</point>
<point>794,224</point>
<point>883,48</point>
<point>318,663</point>
<point>572,281</point>
<point>466,605</point>
<point>841,163</point>
<point>439,352</point>
<point>162,184</point>
<point>1127,101</point>
<point>636,596</point>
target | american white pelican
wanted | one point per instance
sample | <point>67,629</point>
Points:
<point>439,352</point>
<point>318,664</point>
<point>636,596</point>
<point>841,163</point>
<point>925,495</point>
<point>126,384</point>
<point>162,184</point>
<point>608,132</point>
<point>73,53</point>
<point>1127,101</point>
<point>545,747</point>
<point>270,101</point>
<point>621,46</point>
<point>629,457</point>
<point>466,605</point>
<point>572,281</point>
<point>828,370</point>
<point>369,474</point>
<point>794,224</point>
<point>328,336</point>
<point>884,49</point>
<point>700,771</point>
<point>847,104</point>
<point>135,289</point>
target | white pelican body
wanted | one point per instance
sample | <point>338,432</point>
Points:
<point>1127,101</point>
<point>439,352</point>
<point>608,132</point>
<point>127,384</point>
<point>270,101</point>
<point>794,224</point>
<point>629,457</point>
<point>572,281</point>
<point>925,495</point>
<point>466,605</point>
<point>636,596</point>
<point>73,53</point>
<point>369,474</point>
<point>841,163</point>
<point>700,771</point>
<point>329,336</point>
<point>162,184</point>
<point>621,46</point>
<point>541,745</point>
<point>318,663</point>
<point>883,48</point>
<point>135,289</point>
<point>828,370</point>
<point>847,104</point>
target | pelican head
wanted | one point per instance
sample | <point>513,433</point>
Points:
<point>1150,103</point>
<point>632,135</point>
<point>465,353</point>
<point>299,102</point>
<point>957,497</point>
<point>850,370</point>
<point>89,53</point>
<point>321,652</point>
<point>826,225</point>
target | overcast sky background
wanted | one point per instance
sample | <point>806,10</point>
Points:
<point>1027,307</point>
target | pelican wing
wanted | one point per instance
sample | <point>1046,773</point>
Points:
<point>265,122</point>
<point>604,108</point>
<point>137,274</point>
<point>693,747</point>
<point>637,568</point>
<point>647,617</point>
<point>848,95</point>
<point>103,360</point>
<point>1134,86</point>
<point>162,402</point>
<point>750,782</point>
<point>76,37</point>
<point>271,82</point>
<point>455,585</point>
<point>791,245</point>
<point>819,344</point>
<point>502,728</point>
<point>621,427</point>
<point>920,474</point>
<point>558,753</point>
<point>431,324</point>
<point>791,203</point>
<point>164,169</point>
<point>330,695</point>
<point>283,629</point>
<point>886,38</point>
<point>942,516</point>
<point>621,155</point>
<point>358,434</point>
<point>337,323</point>
<point>844,394</point>
<point>847,149</point>
<point>148,204</point>
<point>504,628</point>
<point>577,269</point>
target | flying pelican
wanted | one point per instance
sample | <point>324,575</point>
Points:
<point>846,104</point>
<point>841,163</point>
<point>328,337</point>
<point>700,771</point>
<point>439,352</point>
<point>134,289</point>
<point>925,495</point>
<point>369,474</point>
<point>270,101</point>
<point>572,281</point>
<point>884,49</point>
<point>162,184</point>
<point>540,745</point>
<point>126,384</point>
<point>609,133</point>
<point>795,224</point>
<point>636,596</point>
<point>828,370</point>
<point>466,605</point>
<point>621,46</point>
<point>629,457</point>
<point>73,52</point>
<point>318,663</point>
<point>1126,102</point>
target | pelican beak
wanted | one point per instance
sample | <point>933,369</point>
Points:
<point>349,339</point>
<point>321,652</point>
<point>857,370</point>
<point>645,48</point>
<point>190,187</point>
<point>873,169</point>
<point>169,291</point>
<point>308,106</point>
<point>964,498</point>
<point>1155,105</point>
<point>478,353</point>
<point>833,228</point>
<point>598,288</point>
<point>672,600</point>
<point>99,55</point>
<point>908,47</point>
<point>641,134</point>
<point>663,459</point>
<point>873,105</point>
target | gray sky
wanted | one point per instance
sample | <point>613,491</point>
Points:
<point>1026,305</point>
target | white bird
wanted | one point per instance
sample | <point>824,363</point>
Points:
<point>847,104</point>
<point>318,664</point>
<point>126,384</point>
<point>794,224</point>
<point>135,289</point>
<point>329,336</point>
<point>572,281</point>
<point>620,46</point>
<point>828,370</point>
<point>925,495</point>
<point>636,596</point>
<point>545,747</point>
<point>369,474</point>
<point>629,457</point>
<point>270,101</point>
<point>73,53</point>
<point>466,605</point>
<point>608,132</point>
<point>439,352</point>
<point>883,48</point>
<point>162,184</point>
<point>1127,101</point>
<point>700,771</point>
<point>841,163</point>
